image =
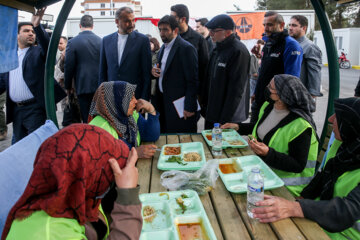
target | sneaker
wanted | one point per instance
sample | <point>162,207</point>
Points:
<point>3,135</point>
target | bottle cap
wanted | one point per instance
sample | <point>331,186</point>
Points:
<point>216,124</point>
<point>255,170</point>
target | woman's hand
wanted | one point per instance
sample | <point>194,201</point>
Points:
<point>275,208</point>
<point>144,106</point>
<point>231,126</point>
<point>128,176</point>
<point>146,151</point>
<point>259,148</point>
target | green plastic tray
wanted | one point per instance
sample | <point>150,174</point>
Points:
<point>237,182</point>
<point>228,135</point>
<point>185,148</point>
<point>169,214</point>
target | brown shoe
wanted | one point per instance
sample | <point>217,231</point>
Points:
<point>3,135</point>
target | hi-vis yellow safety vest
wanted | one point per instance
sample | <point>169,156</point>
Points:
<point>295,182</point>
<point>343,186</point>
<point>99,121</point>
<point>40,226</point>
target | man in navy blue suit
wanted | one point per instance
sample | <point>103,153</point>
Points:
<point>126,56</point>
<point>177,74</point>
<point>82,60</point>
<point>25,102</point>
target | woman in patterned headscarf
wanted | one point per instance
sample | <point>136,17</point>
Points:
<point>113,109</point>
<point>73,169</point>
<point>285,134</point>
<point>332,198</point>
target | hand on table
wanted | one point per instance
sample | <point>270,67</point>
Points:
<point>258,148</point>
<point>36,18</point>
<point>128,176</point>
<point>188,114</point>
<point>275,208</point>
<point>146,151</point>
<point>155,71</point>
<point>144,106</point>
<point>230,126</point>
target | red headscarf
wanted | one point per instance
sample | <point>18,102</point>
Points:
<point>71,169</point>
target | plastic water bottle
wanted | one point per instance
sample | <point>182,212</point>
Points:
<point>255,190</point>
<point>216,140</point>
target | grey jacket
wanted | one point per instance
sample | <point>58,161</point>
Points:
<point>311,66</point>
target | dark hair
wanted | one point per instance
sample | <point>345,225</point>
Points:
<point>302,20</point>
<point>278,18</point>
<point>202,21</point>
<point>121,10</point>
<point>169,20</point>
<point>260,41</point>
<point>86,21</point>
<point>181,11</point>
<point>65,38</point>
<point>256,51</point>
<point>24,24</point>
<point>156,43</point>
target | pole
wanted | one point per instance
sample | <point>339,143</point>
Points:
<point>334,76</point>
<point>50,61</point>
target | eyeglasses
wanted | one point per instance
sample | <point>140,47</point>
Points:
<point>215,31</point>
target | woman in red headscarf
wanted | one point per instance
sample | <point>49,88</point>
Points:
<point>73,170</point>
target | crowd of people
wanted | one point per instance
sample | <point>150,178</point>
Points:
<point>127,89</point>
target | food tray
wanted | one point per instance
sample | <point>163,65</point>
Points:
<point>185,148</point>
<point>237,182</point>
<point>169,215</point>
<point>228,136</point>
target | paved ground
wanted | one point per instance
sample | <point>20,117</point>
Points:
<point>348,81</point>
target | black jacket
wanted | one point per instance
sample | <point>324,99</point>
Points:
<point>135,65</point>
<point>227,93</point>
<point>179,80</point>
<point>82,60</point>
<point>201,47</point>
<point>357,89</point>
<point>33,68</point>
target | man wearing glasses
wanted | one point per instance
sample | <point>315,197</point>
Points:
<point>227,87</point>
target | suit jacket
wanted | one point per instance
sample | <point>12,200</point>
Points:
<point>179,79</point>
<point>82,60</point>
<point>135,66</point>
<point>33,68</point>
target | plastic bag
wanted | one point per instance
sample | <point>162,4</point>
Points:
<point>201,181</point>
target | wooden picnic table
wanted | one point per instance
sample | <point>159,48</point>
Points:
<point>227,211</point>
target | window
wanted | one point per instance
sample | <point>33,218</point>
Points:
<point>315,41</point>
<point>102,5</point>
<point>102,13</point>
<point>113,4</point>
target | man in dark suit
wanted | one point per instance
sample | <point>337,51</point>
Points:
<point>181,14</point>
<point>177,75</point>
<point>126,56</point>
<point>82,60</point>
<point>25,102</point>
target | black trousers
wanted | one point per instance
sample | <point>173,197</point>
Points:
<point>85,103</point>
<point>27,119</point>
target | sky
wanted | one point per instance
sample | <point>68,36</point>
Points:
<point>159,8</point>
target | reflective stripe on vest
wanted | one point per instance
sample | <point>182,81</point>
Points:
<point>295,182</point>
<point>357,226</point>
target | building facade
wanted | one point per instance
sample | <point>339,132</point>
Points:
<point>107,8</point>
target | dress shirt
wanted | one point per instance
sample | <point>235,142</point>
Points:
<point>122,38</point>
<point>167,50</point>
<point>18,90</point>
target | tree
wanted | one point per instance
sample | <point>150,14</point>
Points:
<point>339,17</point>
